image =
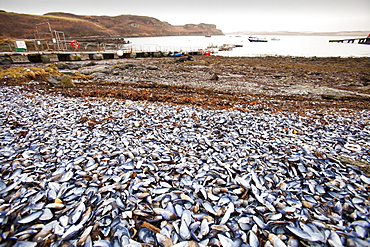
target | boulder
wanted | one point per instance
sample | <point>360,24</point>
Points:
<point>63,81</point>
<point>68,65</point>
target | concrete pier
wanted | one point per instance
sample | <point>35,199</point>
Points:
<point>55,56</point>
<point>365,41</point>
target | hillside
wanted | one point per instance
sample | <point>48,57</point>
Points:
<point>23,26</point>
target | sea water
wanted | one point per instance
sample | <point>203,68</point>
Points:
<point>303,46</point>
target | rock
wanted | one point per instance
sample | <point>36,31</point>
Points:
<point>364,89</point>
<point>183,59</point>
<point>97,56</point>
<point>152,68</point>
<point>67,66</point>
<point>60,81</point>
<point>74,65</point>
<point>345,97</point>
<point>127,66</point>
<point>89,63</point>
<point>4,60</point>
<point>157,54</point>
<point>98,76</point>
<point>365,80</point>
<point>96,69</point>
<point>313,73</point>
<point>67,72</point>
<point>62,66</point>
<point>214,77</point>
<point>75,57</point>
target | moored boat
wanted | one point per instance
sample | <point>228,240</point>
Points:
<point>256,39</point>
<point>178,54</point>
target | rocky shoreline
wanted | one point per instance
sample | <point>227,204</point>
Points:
<point>285,83</point>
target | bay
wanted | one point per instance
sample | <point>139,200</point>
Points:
<point>302,46</point>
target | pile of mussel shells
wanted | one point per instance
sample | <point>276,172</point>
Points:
<point>103,172</point>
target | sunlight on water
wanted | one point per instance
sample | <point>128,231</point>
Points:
<point>305,46</point>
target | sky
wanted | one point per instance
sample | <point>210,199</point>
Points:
<point>227,15</point>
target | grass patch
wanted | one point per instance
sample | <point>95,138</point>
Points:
<point>24,74</point>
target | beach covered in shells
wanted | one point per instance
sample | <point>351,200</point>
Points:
<point>88,171</point>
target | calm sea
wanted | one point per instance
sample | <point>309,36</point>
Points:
<point>304,46</point>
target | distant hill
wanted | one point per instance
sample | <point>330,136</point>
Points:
<point>341,33</point>
<point>23,26</point>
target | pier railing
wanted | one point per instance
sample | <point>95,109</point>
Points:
<point>365,41</point>
<point>89,51</point>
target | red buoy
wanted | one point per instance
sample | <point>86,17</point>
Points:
<point>207,53</point>
<point>74,44</point>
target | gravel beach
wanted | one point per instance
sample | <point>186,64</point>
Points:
<point>203,151</point>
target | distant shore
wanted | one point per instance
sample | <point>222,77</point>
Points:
<point>277,33</point>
